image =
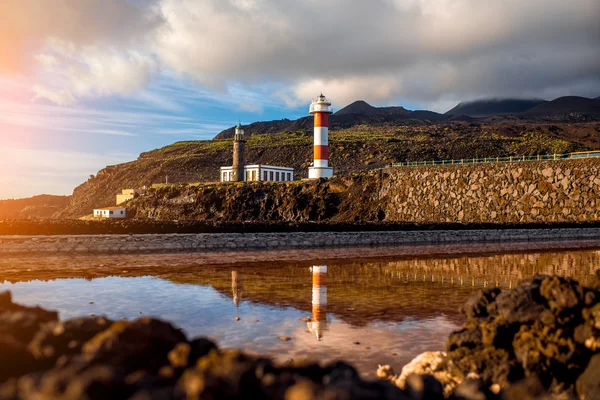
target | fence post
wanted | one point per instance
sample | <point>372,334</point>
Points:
<point>510,159</point>
<point>523,157</point>
<point>462,161</point>
<point>497,159</point>
<point>555,156</point>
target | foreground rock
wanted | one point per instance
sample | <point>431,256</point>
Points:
<point>95,358</point>
<point>533,342</point>
<point>540,339</point>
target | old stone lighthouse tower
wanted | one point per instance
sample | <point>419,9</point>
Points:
<point>239,154</point>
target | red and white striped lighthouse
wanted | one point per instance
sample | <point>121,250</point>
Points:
<point>321,109</point>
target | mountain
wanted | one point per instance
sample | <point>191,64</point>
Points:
<point>492,107</point>
<point>42,206</point>
<point>361,107</point>
<point>357,113</point>
<point>566,105</point>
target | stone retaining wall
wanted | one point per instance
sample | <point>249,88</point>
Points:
<point>528,192</point>
<point>261,241</point>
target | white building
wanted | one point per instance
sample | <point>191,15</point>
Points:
<point>129,194</point>
<point>111,212</point>
<point>264,173</point>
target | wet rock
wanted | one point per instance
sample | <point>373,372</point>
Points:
<point>588,384</point>
<point>522,304</point>
<point>60,338</point>
<point>544,330</point>
<point>20,321</point>
<point>186,354</point>
<point>473,390</point>
<point>561,293</point>
<point>477,305</point>
<point>15,359</point>
<point>126,344</point>
<point>528,389</point>
<point>424,387</point>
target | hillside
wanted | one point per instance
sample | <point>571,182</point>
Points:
<point>566,105</point>
<point>491,107</point>
<point>353,149</point>
<point>42,206</point>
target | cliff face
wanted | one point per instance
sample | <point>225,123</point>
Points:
<point>355,149</point>
<point>536,192</point>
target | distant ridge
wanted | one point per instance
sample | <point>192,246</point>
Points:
<point>568,108</point>
<point>41,206</point>
<point>566,105</point>
<point>492,107</point>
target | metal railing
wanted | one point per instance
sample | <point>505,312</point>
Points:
<point>509,159</point>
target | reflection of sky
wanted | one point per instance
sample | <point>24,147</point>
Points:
<point>202,311</point>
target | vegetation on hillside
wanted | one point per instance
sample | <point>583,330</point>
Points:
<point>359,148</point>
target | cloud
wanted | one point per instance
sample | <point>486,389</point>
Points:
<point>252,107</point>
<point>92,71</point>
<point>421,51</point>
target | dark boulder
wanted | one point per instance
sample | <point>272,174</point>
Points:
<point>63,338</point>
<point>127,344</point>
<point>588,384</point>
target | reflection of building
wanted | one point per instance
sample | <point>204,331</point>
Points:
<point>240,172</point>
<point>236,288</point>
<point>318,324</point>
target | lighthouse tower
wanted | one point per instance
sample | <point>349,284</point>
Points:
<point>239,156</point>
<point>318,323</point>
<point>321,109</point>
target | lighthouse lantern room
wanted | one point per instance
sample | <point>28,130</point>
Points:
<point>321,109</point>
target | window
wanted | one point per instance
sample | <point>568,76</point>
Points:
<point>266,177</point>
<point>111,213</point>
<point>121,212</point>
<point>253,176</point>
<point>270,175</point>
<point>289,176</point>
<point>277,176</point>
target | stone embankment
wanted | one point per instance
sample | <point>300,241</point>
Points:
<point>519,193</point>
<point>537,340</point>
<point>80,244</point>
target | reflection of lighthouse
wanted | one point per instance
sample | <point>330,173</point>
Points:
<point>236,288</point>
<point>321,109</point>
<point>319,301</point>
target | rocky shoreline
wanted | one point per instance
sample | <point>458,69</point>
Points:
<point>539,340</point>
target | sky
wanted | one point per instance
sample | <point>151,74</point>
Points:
<point>90,83</point>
